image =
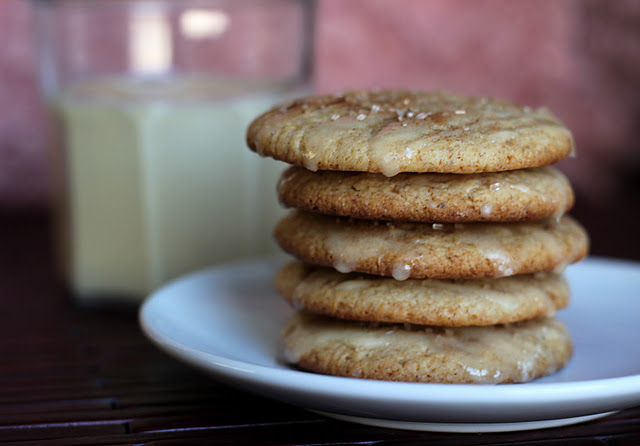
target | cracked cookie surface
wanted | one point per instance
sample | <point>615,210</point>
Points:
<point>390,132</point>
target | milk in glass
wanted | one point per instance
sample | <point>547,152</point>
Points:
<point>160,182</point>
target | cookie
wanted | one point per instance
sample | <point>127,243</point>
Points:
<point>495,354</point>
<point>526,194</point>
<point>441,302</point>
<point>390,132</point>
<point>437,251</point>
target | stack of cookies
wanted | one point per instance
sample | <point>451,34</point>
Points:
<point>429,234</point>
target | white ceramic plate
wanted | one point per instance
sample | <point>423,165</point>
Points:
<point>226,321</point>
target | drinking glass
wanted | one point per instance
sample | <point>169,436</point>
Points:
<point>149,103</point>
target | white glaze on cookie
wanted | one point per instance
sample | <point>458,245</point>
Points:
<point>390,132</point>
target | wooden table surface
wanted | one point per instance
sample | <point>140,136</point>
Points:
<point>73,376</point>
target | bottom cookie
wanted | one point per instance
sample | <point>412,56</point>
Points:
<point>511,353</point>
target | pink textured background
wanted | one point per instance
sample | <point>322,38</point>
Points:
<point>580,58</point>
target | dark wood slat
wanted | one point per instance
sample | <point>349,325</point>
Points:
<point>64,431</point>
<point>627,439</point>
<point>43,408</point>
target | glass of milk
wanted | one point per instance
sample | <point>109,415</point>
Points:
<point>150,101</point>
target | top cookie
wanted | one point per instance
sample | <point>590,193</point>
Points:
<point>390,132</point>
